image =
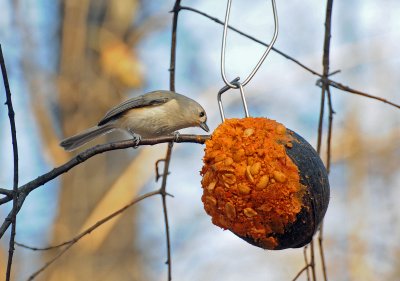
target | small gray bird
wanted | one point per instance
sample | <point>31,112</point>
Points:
<point>150,115</point>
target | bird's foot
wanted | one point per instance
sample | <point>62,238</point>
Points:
<point>176,136</point>
<point>136,138</point>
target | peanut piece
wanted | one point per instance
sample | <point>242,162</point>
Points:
<point>248,174</point>
<point>248,132</point>
<point>211,186</point>
<point>289,144</point>
<point>262,183</point>
<point>279,176</point>
<point>230,211</point>
<point>207,176</point>
<point>244,189</point>
<point>249,212</point>
<point>211,201</point>
<point>255,168</point>
<point>229,178</point>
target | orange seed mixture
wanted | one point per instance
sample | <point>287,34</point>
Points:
<point>250,186</point>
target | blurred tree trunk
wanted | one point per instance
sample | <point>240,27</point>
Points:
<point>96,68</point>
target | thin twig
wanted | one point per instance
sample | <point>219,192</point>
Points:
<point>6,192</point>
<point>164,204</point>
<point>47,264</point>
<point>325,64</point>
<point>167,159</point>
<point>321,250</point>
<point>11,116</point>
<point>312,262</point>
<point>175,10</point>
<point>306,262</point>
<point>85,155</point>
<point>356,92</point>
<point>328,168</point>
<point>158,175</point>
<point>34,248</point>
<point>331,82</point>
<point>325,91</point>
<point>301,272</point>
<point>74,240</point>
<point>329,137</point>
<point>321,118</point>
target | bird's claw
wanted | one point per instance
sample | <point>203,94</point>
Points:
<point>136,138</point>
<point>176,136</point>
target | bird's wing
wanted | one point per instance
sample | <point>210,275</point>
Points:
<point>140,101</point>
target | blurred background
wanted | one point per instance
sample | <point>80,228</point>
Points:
<point>70,61</point>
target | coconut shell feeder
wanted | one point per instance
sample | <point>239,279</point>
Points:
<point>263,182</point>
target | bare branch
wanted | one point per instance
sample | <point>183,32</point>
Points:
<point>330,125</point>
<point>306,267</point>
<point>164,204</point>
<point>158,175</point>
<point>33,248</point>
<point>85,155</point>
<point>312,261</point>
<point>325,90</point>
<point>321,250</point>
<point>306,262</point>
<point>331,82</point>
<point>167,159</point>
<point>11,116</point>
<point>6,192</point>
<point>175,10</point>
<point>356,92</point>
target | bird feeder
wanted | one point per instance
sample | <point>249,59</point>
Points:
<point>263,182</point>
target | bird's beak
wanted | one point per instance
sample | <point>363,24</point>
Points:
<point>204,126</point>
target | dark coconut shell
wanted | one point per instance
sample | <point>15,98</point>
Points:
<point>314,177</point>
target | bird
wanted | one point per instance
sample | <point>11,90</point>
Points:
<point>154,114</point>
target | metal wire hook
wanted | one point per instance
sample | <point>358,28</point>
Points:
<point>271,44</point>
<point>236,84</point>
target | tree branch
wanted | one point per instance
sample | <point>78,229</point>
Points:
<point>164,204</point>
<point>167,159</point>
<point>6,192</point>
<point>11,116</point>
<point>306,267</point>
<point>332,83</point>
<point>345,88</point>
<point>175,10</point>
<point>25,189</point>
<point>325,90</point>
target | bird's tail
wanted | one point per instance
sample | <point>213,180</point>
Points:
<point>76,141</point>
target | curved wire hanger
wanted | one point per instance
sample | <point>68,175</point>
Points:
<point>235,84</point>
<point>251,75</point>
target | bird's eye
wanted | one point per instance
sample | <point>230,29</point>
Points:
<point>202,114</point>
